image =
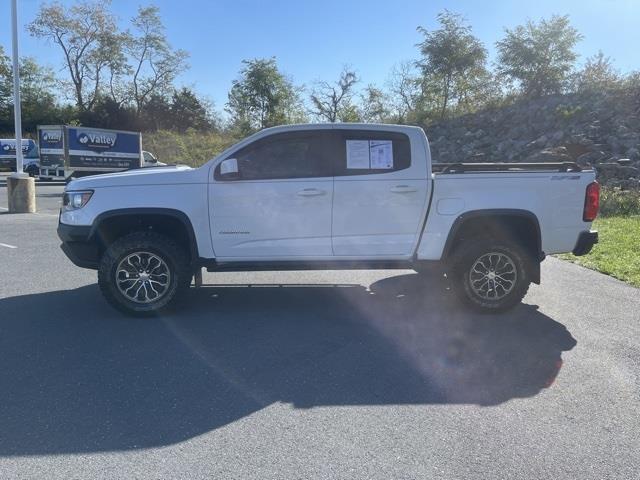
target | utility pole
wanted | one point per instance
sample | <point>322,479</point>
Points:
<point>17,114</point>
<point>21,188</point>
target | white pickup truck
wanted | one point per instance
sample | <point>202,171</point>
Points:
<point>327,197</point>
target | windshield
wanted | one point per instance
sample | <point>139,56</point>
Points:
<point>148,157</point>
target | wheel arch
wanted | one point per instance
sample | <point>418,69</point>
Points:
<point>113,224</point>
<point>518,225</point>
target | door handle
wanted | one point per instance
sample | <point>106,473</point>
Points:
<point>403,189</point>
<point>310,192</point>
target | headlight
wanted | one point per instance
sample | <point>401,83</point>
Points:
<point>75,200</point>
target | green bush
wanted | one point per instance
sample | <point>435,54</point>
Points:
<point>619,203</point>
<point>190,148</point>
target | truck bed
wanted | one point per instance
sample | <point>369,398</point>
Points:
<point>449,168</point>
<point>553,192</point>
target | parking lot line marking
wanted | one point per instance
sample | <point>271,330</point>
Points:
<point>7,245</point>
<point>37,213</point>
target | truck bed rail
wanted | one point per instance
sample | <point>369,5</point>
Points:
<point>443,168</point>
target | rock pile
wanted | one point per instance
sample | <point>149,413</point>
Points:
<point>600,130</point>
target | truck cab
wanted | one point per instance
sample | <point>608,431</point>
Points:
<point>150,160</point>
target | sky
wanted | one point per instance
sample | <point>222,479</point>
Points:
<point>313,40</point>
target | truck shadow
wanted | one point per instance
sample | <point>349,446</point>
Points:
<point>78,377</point>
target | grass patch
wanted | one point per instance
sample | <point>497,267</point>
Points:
<point>618,251</point>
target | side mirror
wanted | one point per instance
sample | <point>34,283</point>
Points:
<point>229,168</point>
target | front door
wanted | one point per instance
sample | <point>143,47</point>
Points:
<point>278,203</point>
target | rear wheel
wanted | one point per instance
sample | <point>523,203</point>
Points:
<point>490,275</point>
<point>143,272</point>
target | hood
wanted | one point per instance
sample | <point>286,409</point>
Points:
<point>142,176</point>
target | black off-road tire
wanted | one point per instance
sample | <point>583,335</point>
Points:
<point>472,251</point>
<point>159,245</point>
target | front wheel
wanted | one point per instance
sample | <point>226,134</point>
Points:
<point>490,275</point>
<point>143,272</point>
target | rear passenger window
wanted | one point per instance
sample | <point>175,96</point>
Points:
<point>286,155</point>
<point>360,152</point>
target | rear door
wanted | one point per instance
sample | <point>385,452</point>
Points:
<point>380,193</point>
<point>279,204</point>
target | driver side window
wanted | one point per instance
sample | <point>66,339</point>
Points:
<point>283,156</point>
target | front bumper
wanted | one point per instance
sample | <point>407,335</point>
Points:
<point>77,244</point>
<point>586,241</point>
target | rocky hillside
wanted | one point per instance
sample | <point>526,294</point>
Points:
<point>597,129</point>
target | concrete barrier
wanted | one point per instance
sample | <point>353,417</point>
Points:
<point>21,190</point>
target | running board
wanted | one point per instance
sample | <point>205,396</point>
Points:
<point>213,266</point>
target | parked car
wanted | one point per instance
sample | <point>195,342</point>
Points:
<point>150,160</point>
<point>327,197</point>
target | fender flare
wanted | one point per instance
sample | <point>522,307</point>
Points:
<point>134,212</point>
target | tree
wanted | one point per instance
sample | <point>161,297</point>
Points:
<point>597,74</point>
<point>262,97</point>
<point>375,105</point>
<point>118,88</point>
<point>108,113</point>
<point>452,58</point>
<point>155,63</point>
<point>188,111</point>
<point>37,87</point>
<point>38,102</point>
<point>181,111</point>
<point>86,32</point>
<point>6,82</point>
<point>333,102</point>
<point>156,112</point>
<point>404,91</point>
<point>539,56</point>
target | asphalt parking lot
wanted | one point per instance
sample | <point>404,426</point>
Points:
<point>363,374</point>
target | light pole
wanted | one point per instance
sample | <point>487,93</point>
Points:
<point>20,187</point>
<point>17,114</point>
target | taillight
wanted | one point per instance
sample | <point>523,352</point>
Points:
<point>591,202</point>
